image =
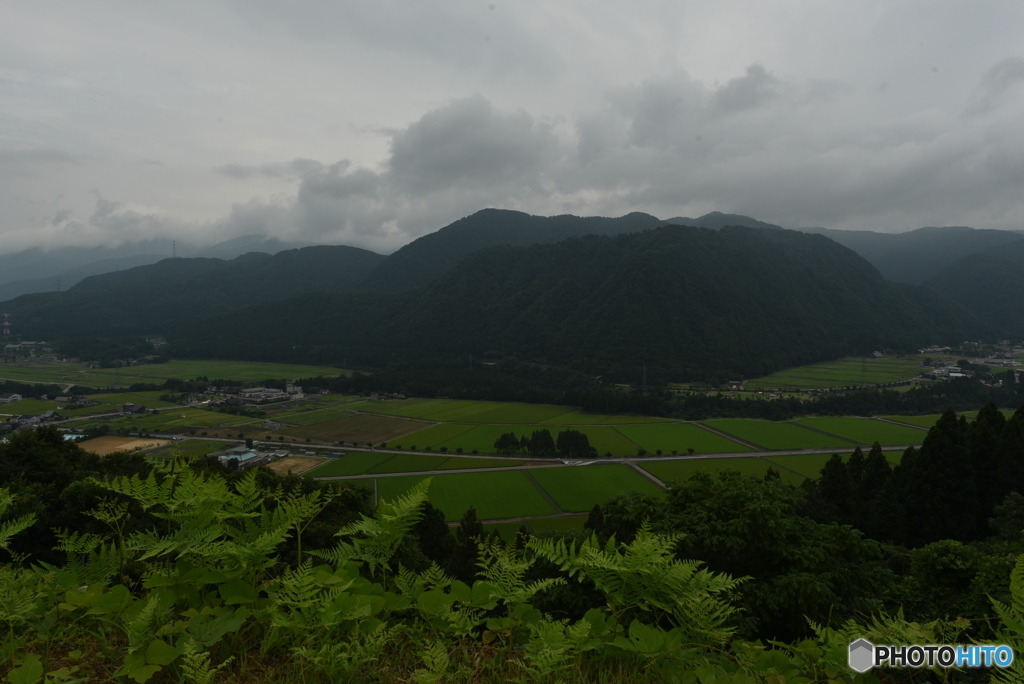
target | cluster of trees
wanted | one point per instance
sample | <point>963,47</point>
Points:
<point>948,489</point>
<point>570,444</point>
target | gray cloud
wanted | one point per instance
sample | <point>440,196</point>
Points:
<point>373,123</point>
<point>995,83</point>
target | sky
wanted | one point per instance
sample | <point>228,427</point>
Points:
<point>372,123</point>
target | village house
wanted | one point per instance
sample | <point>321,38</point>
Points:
<point>9,398</point>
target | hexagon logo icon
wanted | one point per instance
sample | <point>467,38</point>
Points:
<point>862,655</point>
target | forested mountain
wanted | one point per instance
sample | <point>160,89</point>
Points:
<point>172,294</point>
<point>917,255</point>
<point>990,284</point>
<point>688,301</point>
<point>424,259</point>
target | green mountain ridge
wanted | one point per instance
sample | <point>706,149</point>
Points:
<point>689,302</point>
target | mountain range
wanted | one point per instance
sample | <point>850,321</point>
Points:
<point>600,295</point>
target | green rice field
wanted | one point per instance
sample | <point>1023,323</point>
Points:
<point>580,488</point>
<point>506,494</point>
<point>435,435</point>
<point>810,465</point>
<point>920,421</point>
<point>847,372</point>
<point>366,462</point>
<point>81,374</point>
<point>482,438</point>
<point>681,437</point>
<point>666,471</point>
<point>866,431</point>
<point>777,435</point>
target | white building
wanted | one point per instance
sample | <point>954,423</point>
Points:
<point>9,398</point>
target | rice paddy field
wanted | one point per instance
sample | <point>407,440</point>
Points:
<point>579,489</point>
<point>355,428</point>
<point>242,371</point>
<point>847,372</point>
<point>777,436</point>
<point>481,439</point>
<point>369,462</point>
<point>866,431</point>
<point>810,465</point>
<point>506,494</point>
<point>667,471</point>
<point>670,438</point>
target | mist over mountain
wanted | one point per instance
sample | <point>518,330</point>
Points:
<point>37,270</point>
<point>917,255</point>
<point>990,284</point>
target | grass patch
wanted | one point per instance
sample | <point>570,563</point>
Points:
<point>313,417</point>
<point>681,437</point>
<point>580,488</point>
<point>866,431</point>
<point>777,435</point>
<point>190,448</point>
<point>506,494</point>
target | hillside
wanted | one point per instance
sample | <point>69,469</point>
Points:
<point>424,259</point>
<point>990,284</point>
<point>173,293</point>
<point>917,255</point>
<point>690,302</point>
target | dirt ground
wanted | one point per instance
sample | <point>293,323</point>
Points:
<point>107,444</point>
<point>296,464</point>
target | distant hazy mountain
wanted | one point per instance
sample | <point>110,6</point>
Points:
<point>917,255</point>
<point>426,258</point>
<point>37,270</point>
<point>717,220</point>
<point>690,302</point>
<point>174,293</point>
<point>989,283</point>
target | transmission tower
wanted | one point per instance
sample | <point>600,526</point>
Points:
<point>58,283</point>
<point>7,324</point>
<point>174,249</point>
<point>643,384</point>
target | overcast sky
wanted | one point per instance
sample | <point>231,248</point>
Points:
<point>372,123</point>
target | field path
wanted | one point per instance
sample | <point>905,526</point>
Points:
<point>661,485</point>
<point>544,492</point>
<point>896,422</point>
<point>822,432</point>
<point>731,438</point>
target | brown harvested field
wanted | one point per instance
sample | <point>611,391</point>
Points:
<point>108,445</point>
<point>361,428</point>
<point>294,464</point>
